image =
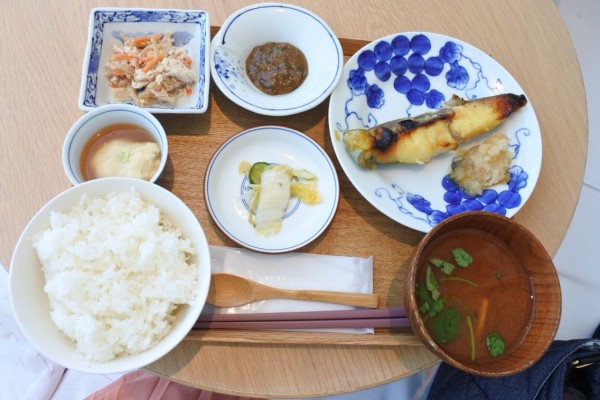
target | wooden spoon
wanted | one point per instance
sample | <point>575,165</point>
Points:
<point>228,290</point>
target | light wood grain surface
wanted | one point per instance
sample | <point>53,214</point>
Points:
<point>42,51</point>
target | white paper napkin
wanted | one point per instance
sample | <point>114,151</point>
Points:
<point>294,271</point>
<point>24,373</point>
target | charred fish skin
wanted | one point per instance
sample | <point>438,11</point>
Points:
<point>415,140</point>
<point>412,140</point>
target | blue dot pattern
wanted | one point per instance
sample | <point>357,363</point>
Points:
<point>394,59</point>
<point>457,201</point>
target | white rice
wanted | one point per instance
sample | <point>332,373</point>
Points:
<point>116,271</point>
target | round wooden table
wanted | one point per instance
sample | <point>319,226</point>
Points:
<point>42,51</point>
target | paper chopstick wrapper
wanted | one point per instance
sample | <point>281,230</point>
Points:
<point>296,271</point>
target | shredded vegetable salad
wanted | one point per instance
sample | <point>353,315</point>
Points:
<point>149,70</point>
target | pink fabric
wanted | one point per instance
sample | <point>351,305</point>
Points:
<point>143,385</point>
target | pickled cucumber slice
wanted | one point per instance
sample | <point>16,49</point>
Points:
<point>256,172</point>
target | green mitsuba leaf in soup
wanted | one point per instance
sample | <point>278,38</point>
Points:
<point>443,265</point>
<point>495,344</point>
<point>427,305</point>
<point>431,283</point>
<point>462,258</point>
<point>444,327</point>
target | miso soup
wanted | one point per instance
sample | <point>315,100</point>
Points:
<point>474,296</point>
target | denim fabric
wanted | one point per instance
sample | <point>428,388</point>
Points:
<point>545,380</point>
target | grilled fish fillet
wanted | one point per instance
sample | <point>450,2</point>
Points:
<point>415,140</point>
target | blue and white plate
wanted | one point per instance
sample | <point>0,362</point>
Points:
<point>225,188</point>
<point>407,74</point>
<point>191,31</point>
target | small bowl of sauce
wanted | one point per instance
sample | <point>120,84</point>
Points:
<point>276,59</point>
<point>115,140</point>
<point>483,294</point>
<point>276,68</point>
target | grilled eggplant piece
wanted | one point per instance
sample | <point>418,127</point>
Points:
<point>415,140</point>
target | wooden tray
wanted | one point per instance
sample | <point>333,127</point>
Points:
<point>358,229</point>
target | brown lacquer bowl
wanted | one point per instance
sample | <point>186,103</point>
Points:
<point>482,293</point>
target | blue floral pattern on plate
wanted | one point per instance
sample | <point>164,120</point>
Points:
<point>412,73</point>
<point>190,30</point>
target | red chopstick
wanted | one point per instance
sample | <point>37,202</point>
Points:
<point>394,317</point>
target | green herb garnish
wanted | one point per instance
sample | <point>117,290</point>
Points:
<point>423,297</point>
<point>445,321</point>
<point>123,156</point>
<point>457,279</point>
<point>471,337</point>
<point>444,265</point>
<point>495,344</point>
<point>463,305</point>
<point>428,305</point>
<point>432,284</point>
<point>462,258</point>
<point>445,326</point>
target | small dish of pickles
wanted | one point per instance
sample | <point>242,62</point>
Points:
<point>271,189</point>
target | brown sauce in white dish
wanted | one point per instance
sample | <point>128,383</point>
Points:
<point>276,68</point>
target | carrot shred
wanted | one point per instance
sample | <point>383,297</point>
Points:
<point>143,41</point>
<point>187,61</point>
<point>124,56</point>
<point>481,317</point>
<point>153,62</point>
<point>116,72</point>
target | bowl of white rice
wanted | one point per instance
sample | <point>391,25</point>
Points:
<point>110,275</point>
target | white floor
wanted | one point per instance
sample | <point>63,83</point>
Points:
<point>576,252</point>
<point>580,245</point>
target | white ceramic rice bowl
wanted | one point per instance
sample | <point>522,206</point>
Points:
<point>30,302</point>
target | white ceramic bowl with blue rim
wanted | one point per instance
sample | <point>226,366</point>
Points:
<point>226,189</point>
<point>275,22</point>
<point>190,29</point>
<point>410,73</point>
<point>90,123</point>
<point>30,302</point>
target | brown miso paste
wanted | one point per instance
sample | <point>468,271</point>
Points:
<point>276,68</point>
